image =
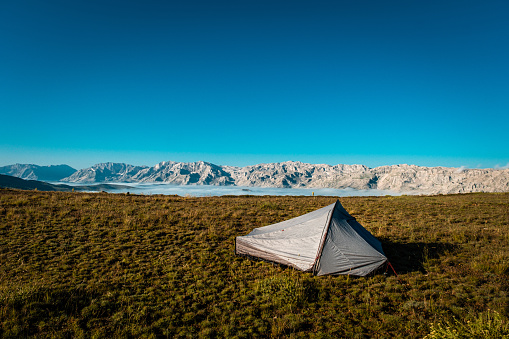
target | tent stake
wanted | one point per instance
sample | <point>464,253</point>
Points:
<point>389,263</point>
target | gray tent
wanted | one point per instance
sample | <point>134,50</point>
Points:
<point>326,241</point>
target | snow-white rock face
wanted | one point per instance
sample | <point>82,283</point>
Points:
<point>180,173</point>
<point>297,174</point>
<point>294,174</point>
<point>441,180</point>
<point>36,172</point>
<point>105,172</point>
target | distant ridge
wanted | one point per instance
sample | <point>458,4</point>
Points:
<point>289,174</point>
<point>35,172</point>
<point>295,174</point>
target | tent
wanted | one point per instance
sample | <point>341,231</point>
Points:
<point>326,241</point>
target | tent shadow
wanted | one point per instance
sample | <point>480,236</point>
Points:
<point>409,257</point>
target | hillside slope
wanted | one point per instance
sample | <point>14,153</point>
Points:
<point>7,181</point>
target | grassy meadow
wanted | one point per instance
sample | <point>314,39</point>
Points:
<point>97,265</point>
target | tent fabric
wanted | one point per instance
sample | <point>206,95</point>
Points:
<point>325,241</point>
<point>292,242</point>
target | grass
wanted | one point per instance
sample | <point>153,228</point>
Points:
<point>89,265</point>
<point>488,325</point>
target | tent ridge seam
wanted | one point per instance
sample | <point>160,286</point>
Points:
<point>323,237</point>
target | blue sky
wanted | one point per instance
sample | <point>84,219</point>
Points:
<point>246,82</point>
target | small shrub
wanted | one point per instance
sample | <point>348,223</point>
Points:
<point>487,325</point>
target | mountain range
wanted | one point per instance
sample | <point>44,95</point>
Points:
<point>290,174</point>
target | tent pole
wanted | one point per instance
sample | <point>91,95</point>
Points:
<point>324,236</point>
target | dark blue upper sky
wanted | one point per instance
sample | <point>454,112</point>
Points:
<point>245,82</point>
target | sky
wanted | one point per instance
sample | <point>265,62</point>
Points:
<point>255,81</point>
